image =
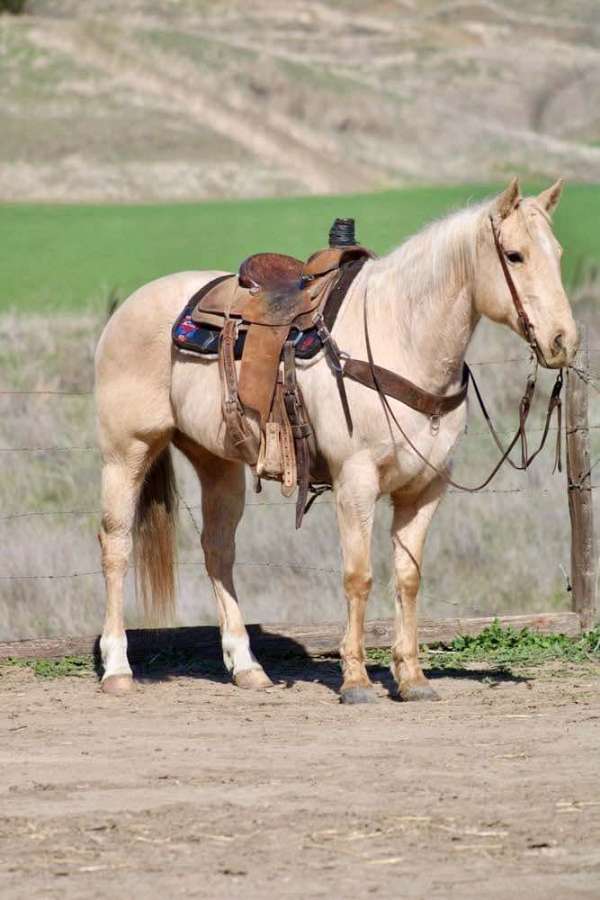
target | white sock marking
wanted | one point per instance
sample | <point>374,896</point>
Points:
<point>237,655</point>
<point>113,649</point>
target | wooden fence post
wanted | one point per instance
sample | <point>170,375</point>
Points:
<point>579,482</point>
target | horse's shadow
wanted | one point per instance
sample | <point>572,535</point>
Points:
<point>162,655</point>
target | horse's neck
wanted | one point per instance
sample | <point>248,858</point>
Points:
<point>424,340</point>
<point>439,338</point>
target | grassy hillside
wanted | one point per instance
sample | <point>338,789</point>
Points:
<point>183,99</point>
<point>69,257</point>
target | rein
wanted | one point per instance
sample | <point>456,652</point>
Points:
<point>389,384</point>
<point>524,320</point>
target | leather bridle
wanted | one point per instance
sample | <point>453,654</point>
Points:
<point>524,320</point>
<point>388,383</point>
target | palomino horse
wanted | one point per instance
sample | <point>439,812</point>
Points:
<point>424,302</point>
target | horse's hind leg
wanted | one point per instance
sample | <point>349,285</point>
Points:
<point>122,479</point>
<point>409,529</point>
<point>223,497</point>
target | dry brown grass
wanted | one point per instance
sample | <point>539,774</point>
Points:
<point>495,552</point>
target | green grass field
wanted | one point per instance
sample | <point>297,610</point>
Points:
<point>56,257</point>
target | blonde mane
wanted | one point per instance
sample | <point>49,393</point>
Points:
<point>433,263</point>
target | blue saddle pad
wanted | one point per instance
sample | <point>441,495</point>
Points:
<point>204,339</point>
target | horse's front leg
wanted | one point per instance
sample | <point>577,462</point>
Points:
<point>355,494</point>
<point>409,529</point>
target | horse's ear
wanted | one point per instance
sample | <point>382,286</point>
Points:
<point>549,198</point>
<point>508,199</point>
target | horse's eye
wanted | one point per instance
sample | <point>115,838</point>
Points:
<point>514,256</point>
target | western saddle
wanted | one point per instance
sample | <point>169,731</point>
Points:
<point>278,308</point>
<point>273,298</point>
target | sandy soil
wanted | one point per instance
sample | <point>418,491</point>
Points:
<point>192,788</point>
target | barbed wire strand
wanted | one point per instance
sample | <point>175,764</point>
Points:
<point>184,565</point>
<point>91,449</point>
<point>46,449</point>
<point>50,392</point>
<point>44,393</point>
<point>266,504</point>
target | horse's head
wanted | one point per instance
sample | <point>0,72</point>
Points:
<point>532,256</point>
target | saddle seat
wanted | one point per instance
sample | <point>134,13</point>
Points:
<point>275,289</point>
<point>271,271</point>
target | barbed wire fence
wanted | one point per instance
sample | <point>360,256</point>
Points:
<point>591,379</point>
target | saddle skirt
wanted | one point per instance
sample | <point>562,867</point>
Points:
<point>274,298</point>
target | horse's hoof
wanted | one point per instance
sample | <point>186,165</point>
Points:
<point>252,680</point>
<point>117,684</point>
<point>418,692</point>
<point>358,695</point>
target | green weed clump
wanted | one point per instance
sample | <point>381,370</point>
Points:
<point>511,645</point>
<point>12,6</point>
<point>503,647</point>
<point>72,666</point>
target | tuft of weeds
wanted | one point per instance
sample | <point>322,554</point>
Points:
<point>379,657</point>
<point>503,647</point>
<point>71,666</point>
<point>167,662</point>
<point>12,6</point>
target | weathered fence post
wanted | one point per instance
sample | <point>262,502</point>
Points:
<point>579,481</point>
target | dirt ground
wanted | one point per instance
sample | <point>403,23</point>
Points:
<point>193,788</point>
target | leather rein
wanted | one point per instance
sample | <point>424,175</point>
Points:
<point>389,384</point>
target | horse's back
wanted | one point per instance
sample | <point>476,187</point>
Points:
<point>147,315</point>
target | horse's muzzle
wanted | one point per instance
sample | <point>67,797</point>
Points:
<point>560,352</point>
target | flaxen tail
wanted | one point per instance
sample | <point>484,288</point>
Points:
<point>154,547</point>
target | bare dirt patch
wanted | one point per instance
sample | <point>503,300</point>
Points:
<point>192,788</point>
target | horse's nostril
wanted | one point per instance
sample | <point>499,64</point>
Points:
<point>558,344</point>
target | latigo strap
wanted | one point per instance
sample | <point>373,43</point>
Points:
<point>301,428</point>
<point>235,421</point>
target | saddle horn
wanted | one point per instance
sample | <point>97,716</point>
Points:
<point>341,233</point>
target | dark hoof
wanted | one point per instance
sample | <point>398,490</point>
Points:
<point>418,692</point>
<point>358,695</point>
